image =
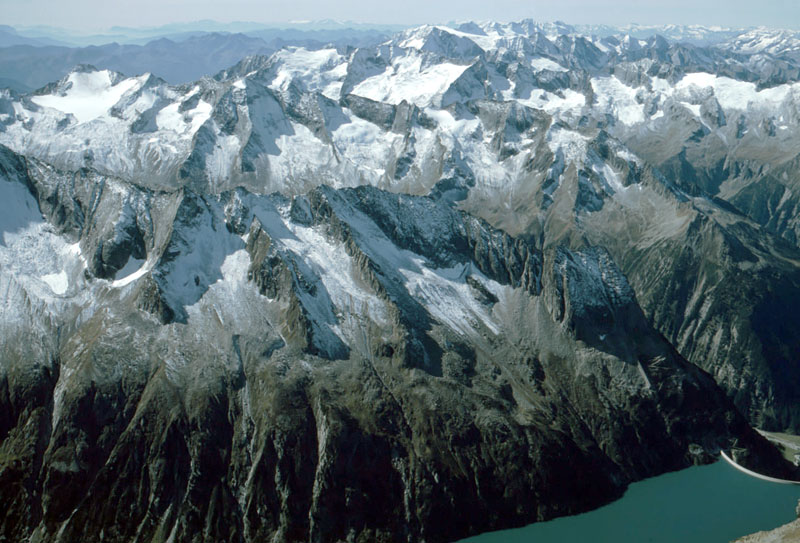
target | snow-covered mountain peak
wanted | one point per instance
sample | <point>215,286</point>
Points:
<point>88,94</point>
<point>775,42</point>
<point>382,115</point>
<point>444,41</point>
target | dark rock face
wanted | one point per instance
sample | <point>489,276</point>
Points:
<point>261,402</point>
<point>719,289</point>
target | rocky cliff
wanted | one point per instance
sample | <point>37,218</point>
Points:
<point>350,364</point>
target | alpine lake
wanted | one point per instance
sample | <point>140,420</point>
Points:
<point>702,504</point>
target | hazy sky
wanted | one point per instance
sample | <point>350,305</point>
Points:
<point>101,14</point>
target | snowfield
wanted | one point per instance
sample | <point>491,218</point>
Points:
<point>89,95</point>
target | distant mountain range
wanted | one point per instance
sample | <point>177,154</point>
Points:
<point>179,53</point>
<point>46,35</point>
<point>28,63</point>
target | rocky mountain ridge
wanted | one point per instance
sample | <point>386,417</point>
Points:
<point>344,295</point>
<point>565,139</point>
<point>300,368</point>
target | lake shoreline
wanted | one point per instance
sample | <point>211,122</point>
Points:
<point>715,503</point>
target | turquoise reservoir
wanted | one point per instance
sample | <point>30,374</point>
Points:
<point>703,504</point>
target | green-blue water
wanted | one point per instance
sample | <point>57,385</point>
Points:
<point>706,504</point>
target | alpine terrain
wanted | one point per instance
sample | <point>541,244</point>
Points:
<point>467,279</point>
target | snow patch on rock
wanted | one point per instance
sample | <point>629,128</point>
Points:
<point>90,95</point>
<point>411,80</point>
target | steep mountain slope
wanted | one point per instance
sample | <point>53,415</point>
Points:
<point>559,137</point>
<point>350,363</point>
<point>407,292</point>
